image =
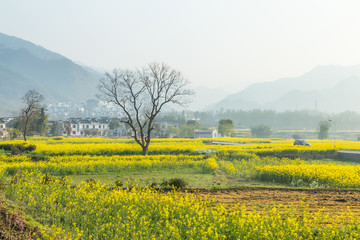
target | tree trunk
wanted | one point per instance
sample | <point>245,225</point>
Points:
<point>145,150</point>
<point>25,131</point>
<point>26,127</point>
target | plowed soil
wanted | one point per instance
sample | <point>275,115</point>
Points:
<point>334,201</point>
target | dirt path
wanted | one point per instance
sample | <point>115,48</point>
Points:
<point>334,201</point>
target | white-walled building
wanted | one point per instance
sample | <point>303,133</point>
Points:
<point>2,125</point>
<point>81,127</point>
<point>3,132</point>
<point>206,134</point>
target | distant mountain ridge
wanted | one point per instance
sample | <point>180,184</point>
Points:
<point>25,66</point>
<point>17,43</point>
<point>328,88</point>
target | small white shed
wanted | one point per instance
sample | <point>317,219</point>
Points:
<point>205,134</point>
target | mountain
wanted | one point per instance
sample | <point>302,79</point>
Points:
<point>25,66</point>
<point>343,96</point>
<point>205,96</point>
<point>326,88</point>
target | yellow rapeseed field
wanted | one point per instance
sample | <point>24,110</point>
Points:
<point>90,210</point>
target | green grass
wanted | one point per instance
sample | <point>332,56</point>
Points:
<point>192,177</point>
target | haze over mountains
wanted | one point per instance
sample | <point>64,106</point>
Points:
<point>325,88</point>
<point>25,66</point>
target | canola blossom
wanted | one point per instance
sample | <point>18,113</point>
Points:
<point>92,211</point>
<point>329,175</point>
<point>260,147</point>
<point>78,164</point>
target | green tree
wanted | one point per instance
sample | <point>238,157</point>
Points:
<point>261,131</point>
<point>32,105</point>
<point>114,124</point>
<point>187,129</point>
<point>40,123</point>
<point>296,136</point>
<point>226,127</point>
<point>15,133</point>
<point>171,130</point>
<point>68,129</point>
<point>324,127</point>
<point>193,123</point>
<point>56,129</point>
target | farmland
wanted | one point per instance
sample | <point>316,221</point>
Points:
<point>94,188</point>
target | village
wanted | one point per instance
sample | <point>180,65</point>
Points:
<point>99,127</point>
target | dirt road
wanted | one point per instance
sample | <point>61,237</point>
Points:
<point>334,201</point>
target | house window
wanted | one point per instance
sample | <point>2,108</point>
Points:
<point>74,126</point>
<point>93,126</point>
<point>74,132</point>
<point>99,126</point>
<point>81,133</point>
<point>87,126</point>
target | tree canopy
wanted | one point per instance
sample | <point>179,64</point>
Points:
<point>32,107</point>
<point>261,131</point>
<point>226,127</point>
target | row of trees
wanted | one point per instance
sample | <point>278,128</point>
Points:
<point>291,120</point>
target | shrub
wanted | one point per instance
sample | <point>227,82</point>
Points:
<point>38,157</point>
<point>296,136</point>
<point>261,131</point>
<point>17,148</point>
<point>118,183</point>
<point>30,148</point>
<point>177,183</point>
<point>57,138</point>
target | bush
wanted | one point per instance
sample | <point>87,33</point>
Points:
<point>296,136</point>
<point>38,157</point>
<point>30,148</point>
<point>118,183</point>
<point>295,153</point>
<point>17,148</point>
<point>57,138</point>
<point>6,147</point>
<point>261,131</point>
<point>177,183</point>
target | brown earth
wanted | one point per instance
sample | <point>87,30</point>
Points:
<point>335,202</point>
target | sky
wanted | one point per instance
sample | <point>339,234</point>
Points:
<point>226,44</point>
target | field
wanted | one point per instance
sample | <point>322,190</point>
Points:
<point>94,188</point>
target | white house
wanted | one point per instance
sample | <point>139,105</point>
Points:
<point>3,132</point>
<point>206,134</point>
<point>80,127</point>
<point>2,125</point>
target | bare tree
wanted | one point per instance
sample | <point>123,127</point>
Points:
<point>32,100</point>
<point>142,94</point>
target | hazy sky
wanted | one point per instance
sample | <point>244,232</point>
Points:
<point>228,44</point>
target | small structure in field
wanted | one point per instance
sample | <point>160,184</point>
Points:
<point>3,131</point>
<point>206,134</point>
